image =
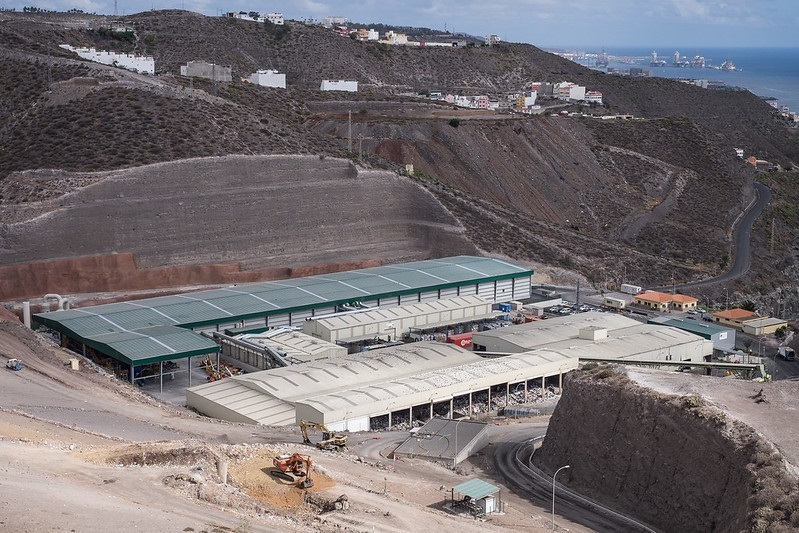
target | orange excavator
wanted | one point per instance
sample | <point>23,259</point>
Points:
<point>295,468</point>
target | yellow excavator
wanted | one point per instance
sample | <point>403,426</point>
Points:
<point>330,441</point>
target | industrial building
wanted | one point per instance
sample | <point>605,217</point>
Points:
<point>723,338</point>
<point>276,348</point>
<point>152,331</point>
<point>399,322</point>
<point>445,439</point>
<point>402,384</point>
<point>595,335</point>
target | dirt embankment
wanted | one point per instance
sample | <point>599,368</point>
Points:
<point>213,220</point>
<point>675,461</point>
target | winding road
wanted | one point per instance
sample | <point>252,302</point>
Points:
<point>513,460</point>
<point>741,248</point>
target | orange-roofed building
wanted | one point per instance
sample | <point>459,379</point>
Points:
<point>734,317</point>
<point>661,301</point>
<point>681,302</point>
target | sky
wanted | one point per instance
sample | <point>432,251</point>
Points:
<point>544,23</point>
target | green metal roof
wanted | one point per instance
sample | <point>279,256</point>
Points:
<point>239,302</point>
<point>703,328</point>
<point>476,488</point>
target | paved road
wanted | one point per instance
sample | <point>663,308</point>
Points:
<point>513,459</point>
<point>741,248</point>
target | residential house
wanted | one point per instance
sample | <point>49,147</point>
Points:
<point>734,317</point>
<point>661,301</point>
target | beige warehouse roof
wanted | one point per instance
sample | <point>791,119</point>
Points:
<point>542,333</point>
<point>238,398</point>
<point>429,314</point>
<point>433,386</point>
<point>296,345</point>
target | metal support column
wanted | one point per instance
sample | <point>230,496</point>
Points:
<point>189,371</point>
<point>507,394</point>
<point>161,375</point>
<point>389,420</point>
<point>489,398</point>
<point>560,380</point>
<point>470,404</point>
<point>130,374</point>
<point>452,407</point>
<point>410,416</point>
<point>431,409</point>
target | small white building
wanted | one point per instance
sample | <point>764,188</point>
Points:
<point>339,85</point>
<point>210,71</point>
<point>569,91</point>
<point>593,96</point>
<point>329,22</point>
<point>269,78</point>
<point>491,40</point>
<point>276,18</point>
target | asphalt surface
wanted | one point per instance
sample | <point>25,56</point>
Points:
<point>513,459</point>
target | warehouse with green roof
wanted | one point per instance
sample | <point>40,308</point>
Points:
<point>156,330</point>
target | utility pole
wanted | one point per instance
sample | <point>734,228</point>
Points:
<point>349,136</point>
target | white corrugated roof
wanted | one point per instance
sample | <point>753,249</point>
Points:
<point>438,385</point>
<point>282,387</point>
<point>544,332</point>
<point>298,345</point>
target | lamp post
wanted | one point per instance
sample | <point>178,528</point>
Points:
<point>553,493</point>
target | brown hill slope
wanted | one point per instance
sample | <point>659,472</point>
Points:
<point>660,193</point>
<point>259,212</point>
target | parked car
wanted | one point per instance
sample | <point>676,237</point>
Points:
<point>691,312</point>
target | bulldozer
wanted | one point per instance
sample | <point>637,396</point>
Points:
<point>330,441</point>
<point>295,468</point>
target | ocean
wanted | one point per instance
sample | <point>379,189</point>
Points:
<point>766,72</point>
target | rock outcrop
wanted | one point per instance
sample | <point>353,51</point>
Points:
<point>675,462</point>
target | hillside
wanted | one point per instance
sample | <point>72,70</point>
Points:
<point>658,194</point>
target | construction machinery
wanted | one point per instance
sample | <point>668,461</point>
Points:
<point>14,364</point>
<point>330,441</point>
<point>295,468</point>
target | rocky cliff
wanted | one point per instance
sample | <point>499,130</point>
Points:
<point>675,461</point>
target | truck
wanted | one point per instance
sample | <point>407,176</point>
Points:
<point>787,353</point>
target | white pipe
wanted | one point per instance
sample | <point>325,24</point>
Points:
<point>26,314</point>
<point>63,303</point>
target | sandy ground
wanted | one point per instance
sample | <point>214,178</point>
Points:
<point>81,451</point>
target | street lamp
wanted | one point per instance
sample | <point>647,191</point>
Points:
<point>553,494</point>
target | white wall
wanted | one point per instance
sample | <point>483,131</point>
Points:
<point>269,78</point>
<point>144,64</point>
<point>339,85</point>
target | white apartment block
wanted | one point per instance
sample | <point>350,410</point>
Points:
<point>339,85</point>
<point>143,64</point>
<point>254,16</point>
<point>569,91</point>
<point>269,78</point>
